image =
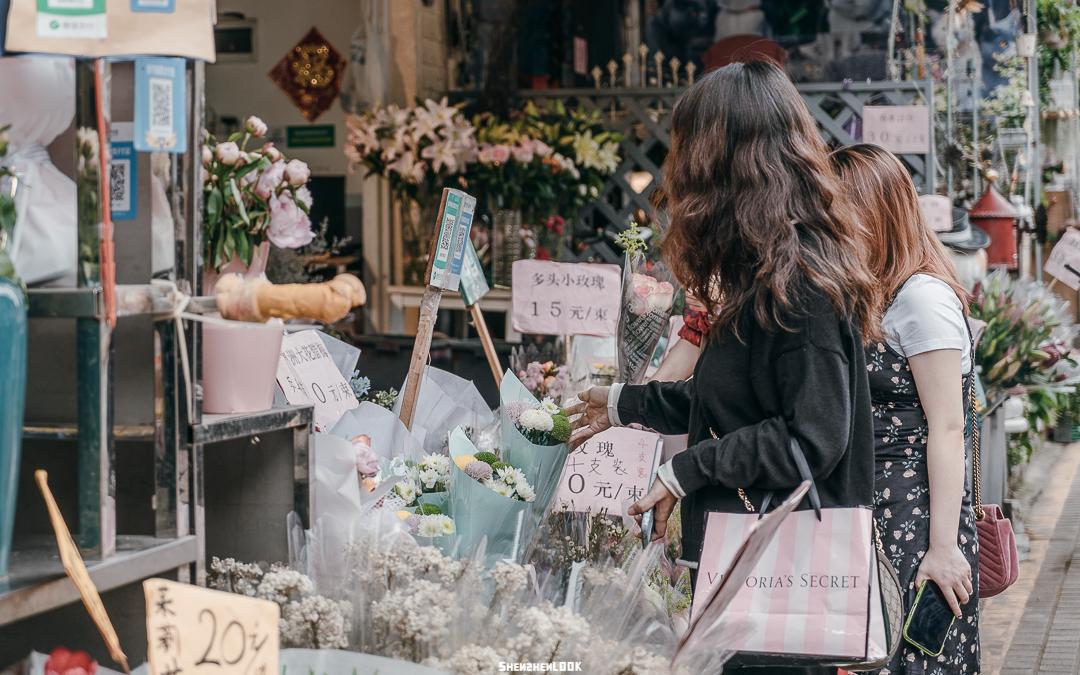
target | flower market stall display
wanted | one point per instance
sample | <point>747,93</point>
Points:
<point>647,298</point>
<point>419,150</point>
<point>13,347</point>
<point>251,199</point>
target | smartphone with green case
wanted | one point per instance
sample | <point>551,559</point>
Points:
<point>929,621</point>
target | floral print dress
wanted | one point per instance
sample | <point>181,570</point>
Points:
<point>902,509</point>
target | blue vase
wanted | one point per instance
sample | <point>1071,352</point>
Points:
<point>12,397</point>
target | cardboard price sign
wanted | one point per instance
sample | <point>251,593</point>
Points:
<point>308,375</point>
<point>609,470</point>
<point>1064,260</point>
<point>553,298</point>
<point>196,630</point>
<point>455,221</point>
<point>903,129</point>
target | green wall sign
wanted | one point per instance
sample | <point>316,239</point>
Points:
<point>314,136</point>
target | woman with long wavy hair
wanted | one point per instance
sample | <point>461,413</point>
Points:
<point>920,371</point>
<point>760,235</point>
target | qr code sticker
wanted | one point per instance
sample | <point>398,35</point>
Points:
<point>161,106</point>
<point>119,185</point>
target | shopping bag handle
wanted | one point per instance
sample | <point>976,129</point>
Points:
<point>803,466</point>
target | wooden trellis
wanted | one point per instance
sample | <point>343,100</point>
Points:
<point>642,115</point>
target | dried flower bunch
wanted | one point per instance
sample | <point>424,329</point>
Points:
<point>308,620</point>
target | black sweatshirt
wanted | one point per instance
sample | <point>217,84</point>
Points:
<point>809,381</point>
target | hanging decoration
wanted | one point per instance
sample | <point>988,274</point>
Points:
<point>311,74</point>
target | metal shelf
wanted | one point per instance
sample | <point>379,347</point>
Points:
<point>37,582</point>
<point>217,428</point>
<point>89,302</point>
<point>70,432</point>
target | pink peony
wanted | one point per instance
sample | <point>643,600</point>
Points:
<point>303,196</point>
<point>289,227</point>
<point>297,172</point>
<point>255,126</point>
<point>227,153</point>
<point>270,180</point>
<point>207,155</point>
<point>500,153</point>
<point>272,153</point>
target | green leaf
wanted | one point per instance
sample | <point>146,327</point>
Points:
<point>214,205</point>
<point>243,247</point>
<point>239,200</point>
<point>263,163</point>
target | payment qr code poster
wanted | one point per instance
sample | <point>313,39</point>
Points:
<point>123,168</point>
<point>160,97</point>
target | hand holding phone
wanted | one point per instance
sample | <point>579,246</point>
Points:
<point>929,621</point>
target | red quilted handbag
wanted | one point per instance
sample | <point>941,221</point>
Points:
<point>998,565</point>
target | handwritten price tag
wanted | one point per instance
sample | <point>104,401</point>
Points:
<point>1064,260</point>
<point>903,129</point>
<point>552,298</point>
<point>308,375</point>
<point>195,630</point>
<point>609,470</point>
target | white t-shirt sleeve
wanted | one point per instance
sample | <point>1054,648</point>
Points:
<point>926,316</point>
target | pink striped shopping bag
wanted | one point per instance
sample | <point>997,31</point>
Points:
<point>810,595</point>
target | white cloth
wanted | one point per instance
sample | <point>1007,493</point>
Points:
<point>38,102</point>
<point>926,316</point>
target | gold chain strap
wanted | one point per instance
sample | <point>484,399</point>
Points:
<point>742,493</point>
<point>976,469</point>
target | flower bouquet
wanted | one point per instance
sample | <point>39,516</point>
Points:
<point>250,197</point>
<point>487,499</point>
<point>422,482</point>
<point>534,438</point>
<point>647,298</point>
<point>446,401</point>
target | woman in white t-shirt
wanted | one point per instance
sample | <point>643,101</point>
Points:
<point>919,370</point>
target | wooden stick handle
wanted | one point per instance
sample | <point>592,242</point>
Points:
<point>485,340</point>
<point>429,309</point>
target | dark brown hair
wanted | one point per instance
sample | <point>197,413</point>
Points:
<point>899,241</point>
<point>756,215</point>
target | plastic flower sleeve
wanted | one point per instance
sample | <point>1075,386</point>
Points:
<point>541,464</point>
<point>479,512</point>
<point>647,296</point>
<point>445,401</point>
<point>389,437</point>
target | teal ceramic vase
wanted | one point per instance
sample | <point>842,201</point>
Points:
<point>12,398</point>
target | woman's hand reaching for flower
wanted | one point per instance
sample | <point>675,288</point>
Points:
<point>592,415</point>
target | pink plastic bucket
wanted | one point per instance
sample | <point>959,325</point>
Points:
<point>240,366</point>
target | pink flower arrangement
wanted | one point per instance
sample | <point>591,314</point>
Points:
<point>66,662</point>
<point>251,196</point>
<point>544,380</point>
<point>649,295</point>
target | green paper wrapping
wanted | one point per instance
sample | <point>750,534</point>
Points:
<point>478,511</point>
<point>541,464</point>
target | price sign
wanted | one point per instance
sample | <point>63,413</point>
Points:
<point>196,630</point>
<point>903,129</point>
<point>609,470</point>
<point>455,221</point>
<point>308,375</point>
<point>474,285</point>
<point>552,298</point>
<point>1064,260</point>
<point>937,212</point>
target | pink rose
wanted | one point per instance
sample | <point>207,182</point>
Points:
<point>255,126</point>
<point>523,152</point>
<point>297,172</point>
<point>270,180</point>
<point>227,153</point>
<point>289,227</point>
<point>486,155</point>
<point>542,149</point>
<point>500,154</point>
